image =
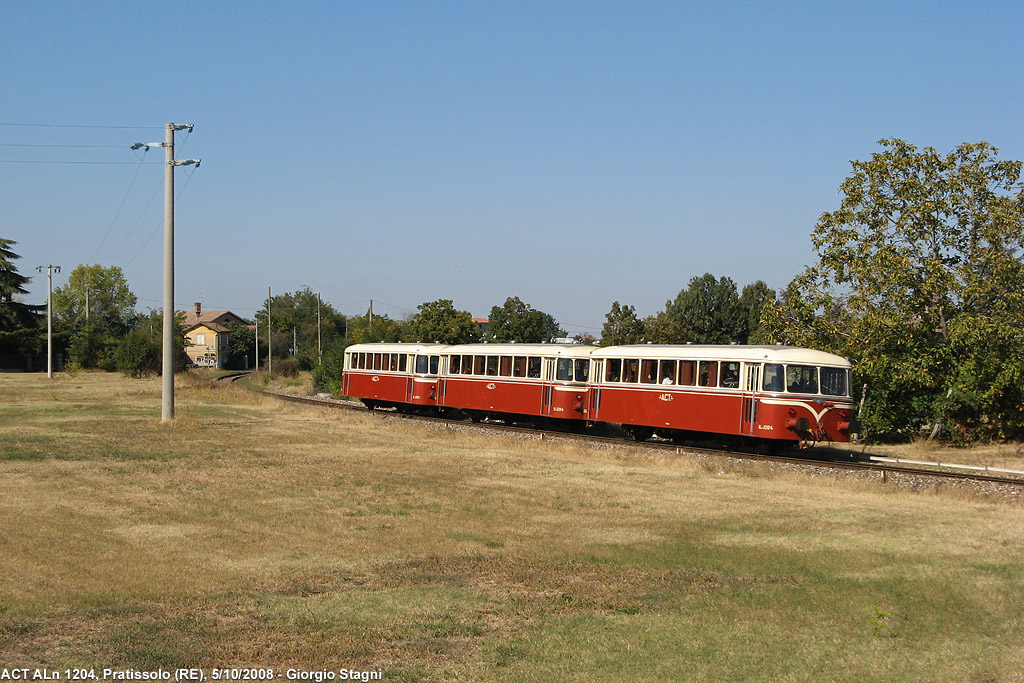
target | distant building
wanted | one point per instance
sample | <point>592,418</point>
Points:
<point>207,335</point>
<point>483,324</point>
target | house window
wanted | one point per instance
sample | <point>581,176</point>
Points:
<point>201,339</point>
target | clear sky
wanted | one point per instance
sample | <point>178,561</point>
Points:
<point>569,153</point>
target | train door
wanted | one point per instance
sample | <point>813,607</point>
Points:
<point>548,376</point>
<point>596,376</point>
<point>748,418</point>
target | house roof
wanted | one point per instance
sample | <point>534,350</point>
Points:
<point>220,329</point>
<point>192,319</point>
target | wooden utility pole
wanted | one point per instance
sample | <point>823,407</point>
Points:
<point>49,316</point>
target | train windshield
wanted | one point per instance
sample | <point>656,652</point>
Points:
<point>428,365</point>
<point>804,379</point>
<point>569,370</point>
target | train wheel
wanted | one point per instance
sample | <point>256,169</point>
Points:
<point>639,433</point>
<point>474,416</point>
<point>370,405</point>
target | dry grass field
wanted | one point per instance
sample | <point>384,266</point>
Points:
<point>252,532</point>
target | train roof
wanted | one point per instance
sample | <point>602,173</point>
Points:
<point>396,347</point>
<point>777,354</point>
<point>561,350</point>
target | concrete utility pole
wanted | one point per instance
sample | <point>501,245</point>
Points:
<point>319,348</point>
<point>257,344</point>
<point>49,316</point>
<point>167,409</point>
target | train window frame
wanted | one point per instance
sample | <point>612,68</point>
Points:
<point>777,383</point>
<point>667,370</point>
<point>563,369</point>
<point>454,364</point>
<point>582,372</point>
<point>842,373</point>
<point>376,361</point>
<point>479,363</point>
<point>687,373</point>
<point>435,364</point>
<point>533,367</point>
<point>648,371</point>
<point>729,379</point>
<point>491,369</point>
<point>630,370</point>
<point>707,373</point>
<point>505,366</point>
<point>519,366</point>
<point>421,364</point>
<point>801,383</point>
<point>613,370</point>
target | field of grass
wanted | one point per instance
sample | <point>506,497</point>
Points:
<point>252,532</point>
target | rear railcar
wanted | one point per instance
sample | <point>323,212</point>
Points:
<point>402,376</point>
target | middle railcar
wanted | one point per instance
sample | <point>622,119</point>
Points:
<point>532,382</point>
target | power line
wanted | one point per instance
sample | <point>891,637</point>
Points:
<point>101,163</point>
<point>20,144</point>
<point>63,125</point>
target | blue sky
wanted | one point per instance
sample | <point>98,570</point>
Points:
<point>569,153</point>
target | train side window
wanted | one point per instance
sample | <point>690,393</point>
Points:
<point>667,374</point>
<point>582,369</point>
<point>478,364</point>
<point>467,365</point>
<point>649,371</point>
<point>563,372</point>
<point>533,367</point>
<point>394,362</point>
<point>708,375</point>
<point>376,361</point>
<point>802,379</point>
<point>773,373</point>
<point>614,370</point>
<point>435,364</point>
<point>687,373</point>
<point>403,362</point>
<point>833,382</point>
<point>421,365</point>
<point>730,374</point>
<point>631,371</point>
<point>505,369</point>
<point>454,365</point>
<point>519,366</point>
<point>492,366</point>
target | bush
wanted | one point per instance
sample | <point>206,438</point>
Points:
<point>138,355</point>
<point>286,367</point>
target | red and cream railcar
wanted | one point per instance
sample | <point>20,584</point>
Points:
<point>763,392</point>
<point>516,381</point>
<point>393,375</point>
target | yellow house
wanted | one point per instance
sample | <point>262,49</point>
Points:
<point>206,336</point>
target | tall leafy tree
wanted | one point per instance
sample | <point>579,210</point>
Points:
<point>516,321</point>
<point>294,323</point>
<point>622,326</point>
<point>439,321</point>
<point>920,281</point>
<point>708,311</point>
<point>100,293</point>
<point>754,298</point>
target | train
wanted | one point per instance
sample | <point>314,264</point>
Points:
<point>759,395</point>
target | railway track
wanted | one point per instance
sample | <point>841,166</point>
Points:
<point>819,461</point>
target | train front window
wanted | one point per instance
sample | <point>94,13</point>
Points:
<point>582,369</point>
<point>834,382</point>
<point>435,363</point>
<point>422,365</point>
<point>802,379</point>
<point>563,372</point>
<point>773,377</point>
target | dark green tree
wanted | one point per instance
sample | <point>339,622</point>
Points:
<point>621,326</point>
<point>241,347</point>
<point>439,321</point>
<point>920,281</point>
<point>97,295</point>
<point>753,299</point>
<point>708,311</point>
<point>362,329</point>
<point>515,321</point>
<point>139,354</point>
<point>294,325</point>
<point>20,323</point>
